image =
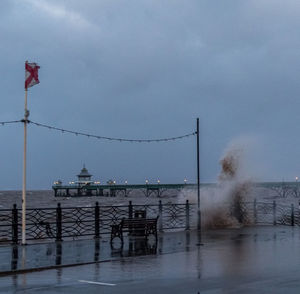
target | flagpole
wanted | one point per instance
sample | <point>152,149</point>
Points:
<point>31,79</point>
<point>26,114</point>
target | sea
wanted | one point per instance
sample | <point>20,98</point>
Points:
<point>286,193</point>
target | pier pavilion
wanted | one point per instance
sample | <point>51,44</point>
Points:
<point>84,177</point>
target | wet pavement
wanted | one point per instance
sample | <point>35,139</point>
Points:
<point>245,260</point>
<point>18,258</point>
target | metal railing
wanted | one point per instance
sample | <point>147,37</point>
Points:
<point>270,213</point>
<point>62,223</point>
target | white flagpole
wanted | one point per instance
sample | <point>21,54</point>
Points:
<point>26,114</point>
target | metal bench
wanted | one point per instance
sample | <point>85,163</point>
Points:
<point>135,227</point>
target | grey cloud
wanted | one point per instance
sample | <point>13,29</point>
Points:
<point>148,69</point>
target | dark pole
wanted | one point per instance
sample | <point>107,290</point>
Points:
<point>198,179</point>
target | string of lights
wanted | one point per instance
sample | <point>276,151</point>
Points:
<point>9,122</point>
<point>112,138</point>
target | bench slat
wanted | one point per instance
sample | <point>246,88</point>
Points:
<point>141,221</point>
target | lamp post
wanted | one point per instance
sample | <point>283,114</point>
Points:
<point>198,189</point>
<point>296,186</point>
<point>198,180</point>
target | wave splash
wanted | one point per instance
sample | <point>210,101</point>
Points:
<point>222,206</point>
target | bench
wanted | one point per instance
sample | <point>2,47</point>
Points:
<point>135,227</point>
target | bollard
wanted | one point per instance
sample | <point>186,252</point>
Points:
<point>58,223</point>
<point>274,213</point>
<point>187,215</point>
<point>292,215</point>
<point>97,220</point>
<point>14,229</point>
<point>254,212</point>
<point>160,214</point>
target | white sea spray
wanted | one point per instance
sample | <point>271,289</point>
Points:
<point>222,204</point>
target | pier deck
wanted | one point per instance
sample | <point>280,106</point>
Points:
<point>113,190</point>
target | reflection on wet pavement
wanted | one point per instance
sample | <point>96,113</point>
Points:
<point>60,253</point>
<point>136,247</point>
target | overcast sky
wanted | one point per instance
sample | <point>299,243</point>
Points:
<point>148,69</point>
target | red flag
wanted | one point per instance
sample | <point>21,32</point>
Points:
<point>31,74</point>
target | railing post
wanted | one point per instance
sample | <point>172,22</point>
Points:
<point>160,219</point>
<point>58,253</point>
<point>298,215</point>
<point>130,214</point>
<point>187,215</point>
<point>14,257</point>
<point>292,215</point>
<point>255,211</point>
<point>274,213</point>
<point>58,223</point>
<point>97,250</point>
<point>14,228</point>
<point>130,210</point>
<point>97,221</point>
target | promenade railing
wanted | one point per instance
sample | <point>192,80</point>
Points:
<point>65,223</point>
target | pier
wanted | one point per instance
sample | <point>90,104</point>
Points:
<point>84,186</point>
<point>113,190</point>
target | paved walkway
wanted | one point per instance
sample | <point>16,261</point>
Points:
<point>249,260</point>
